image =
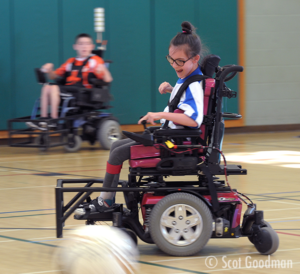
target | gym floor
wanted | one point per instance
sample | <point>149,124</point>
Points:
<point>27,216</point>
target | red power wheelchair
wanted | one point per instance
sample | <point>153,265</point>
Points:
<point>179,216</point>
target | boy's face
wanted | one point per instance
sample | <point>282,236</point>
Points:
<point>84,46</point>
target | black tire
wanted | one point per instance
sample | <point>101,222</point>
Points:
<point>74,143</point>
<point>196,236</point>
<point>266,241</point>
<point>41,139</point>
<point>108,132</point>
<point>264,224</point>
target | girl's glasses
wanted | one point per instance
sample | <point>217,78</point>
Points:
<point>177,61</point>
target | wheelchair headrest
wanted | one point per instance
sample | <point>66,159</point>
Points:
<point>98,52</point>
<point>209,64</point>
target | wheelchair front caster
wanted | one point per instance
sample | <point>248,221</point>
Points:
<point>131,234</point>
<point>42,141</point>
<point>180,224</point>
<point>73,143</point>
<point>264,224</point>
<point>266,240</point>
<point>108,132</point>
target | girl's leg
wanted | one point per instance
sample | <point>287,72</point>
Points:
<point>119,154</point>
<point>120,151</point>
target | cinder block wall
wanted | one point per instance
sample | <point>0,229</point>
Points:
<point>272,62</point>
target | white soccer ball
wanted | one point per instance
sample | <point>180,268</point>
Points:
<point>97,249</point>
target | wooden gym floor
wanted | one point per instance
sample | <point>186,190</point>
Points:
<point>27,215</point>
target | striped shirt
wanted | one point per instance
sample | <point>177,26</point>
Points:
<point>191,102</point>
<point>88,72</point>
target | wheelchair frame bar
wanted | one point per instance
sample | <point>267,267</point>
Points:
<point>63,212</point>
<point>61,133</point>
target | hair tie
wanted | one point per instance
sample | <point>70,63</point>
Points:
<point>183,31</point>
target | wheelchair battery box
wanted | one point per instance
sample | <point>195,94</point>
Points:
<point>100,94</point>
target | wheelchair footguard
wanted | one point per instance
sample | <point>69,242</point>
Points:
<point>173,213</point>
<point>69,132</point>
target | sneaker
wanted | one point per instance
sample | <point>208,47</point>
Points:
<point>45,125</point>
<point>32,124</point>
<point>97,205</point>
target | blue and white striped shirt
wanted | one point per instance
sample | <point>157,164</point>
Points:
<point>191,102</point>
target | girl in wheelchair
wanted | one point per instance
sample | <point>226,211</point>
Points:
<point>184,55</point>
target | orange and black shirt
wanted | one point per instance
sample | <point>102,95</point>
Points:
<point>75,74</point>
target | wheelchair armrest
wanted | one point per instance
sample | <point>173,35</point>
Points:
<point>40,76</point>
<point>99,82</point>
<point>177,132</point>
<point>144,139</point>
<point>152,129</point>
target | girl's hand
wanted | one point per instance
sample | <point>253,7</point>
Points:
<point>150,117</point>
<point>165,87</point>
<point>47,68</point>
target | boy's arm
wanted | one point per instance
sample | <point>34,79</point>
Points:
<point>48,68</point>
<point>104,72</point>
<point>52,74</point>
<point>100,70</point>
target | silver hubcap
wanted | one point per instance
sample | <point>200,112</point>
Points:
<point>113,134</point>
<point>181,224</point>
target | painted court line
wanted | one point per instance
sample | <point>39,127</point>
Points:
<point>26,241</point>
<point>142,262</point>
<point>172,267</point>
<point>20,216</point>
<point>53,159</point>
<point>27,210</point>
<point>48,271</point>
<point>261,194</point>
<point>45,227</point>
<point>25,187</point>
<point>284,203</point>
<point>279,209</point>
<point>283,218</point>
<point>291,234</point>
<point>244,267</point>
<point>220,255</point>
<point>285,221</point>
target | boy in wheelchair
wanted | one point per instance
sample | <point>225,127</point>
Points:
<point>184,55</point>
<point>76,73</point>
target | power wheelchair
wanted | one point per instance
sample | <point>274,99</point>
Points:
<point>82,117</point>
<point>179,216</point>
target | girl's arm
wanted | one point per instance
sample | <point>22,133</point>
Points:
<point>165,87</point>
<point>178,118</point>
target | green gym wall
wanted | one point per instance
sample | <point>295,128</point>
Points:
<point>34,32</point>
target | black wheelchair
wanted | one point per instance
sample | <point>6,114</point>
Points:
<point>82,117</point>
<point>179,216</point>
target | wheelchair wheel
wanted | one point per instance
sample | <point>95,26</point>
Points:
<point>108,132</point>
<point>74,143</point>
<point>266,241</point>
<point>264,224</point>
<point>42,141</point>
<point>180,224</point>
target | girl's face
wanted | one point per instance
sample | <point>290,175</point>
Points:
<point>178,54</point>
